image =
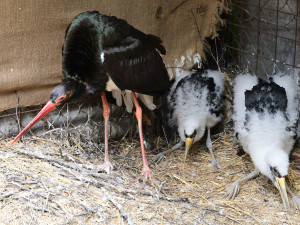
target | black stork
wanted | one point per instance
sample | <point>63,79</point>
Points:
<point>265,119</point>
<point>102,53</point>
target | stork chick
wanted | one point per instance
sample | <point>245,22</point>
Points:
<point>196,102</point>
<point>265,121</point>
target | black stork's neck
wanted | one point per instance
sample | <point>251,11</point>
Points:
<point>81,52</point>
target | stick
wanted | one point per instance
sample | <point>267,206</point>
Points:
<point>81,167</point>
<point>8,194</point>
<point>120,207</point>
<point>22,187</point>
<point>99,184</point>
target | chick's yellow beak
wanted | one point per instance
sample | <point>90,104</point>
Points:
<point>188,144</point>
<point>281,185</point>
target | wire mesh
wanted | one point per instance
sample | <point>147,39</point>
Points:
<point>83,120</point>
<point>263,36</point>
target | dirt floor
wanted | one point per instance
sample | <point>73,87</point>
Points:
<point>38,186</point>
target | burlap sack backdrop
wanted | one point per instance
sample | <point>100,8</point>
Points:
<point>32,34</point>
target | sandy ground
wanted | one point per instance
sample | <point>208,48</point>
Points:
<point>38,186</point>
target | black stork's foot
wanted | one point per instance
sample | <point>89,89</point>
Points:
<point>145,174</point>
<point>106,166</point>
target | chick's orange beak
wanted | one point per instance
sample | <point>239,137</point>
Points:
<point>49,107</point>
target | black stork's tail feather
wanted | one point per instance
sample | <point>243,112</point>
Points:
<point>266,96</point>
<point>156,42</point>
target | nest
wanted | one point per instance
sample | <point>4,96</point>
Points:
<point>51,180</point>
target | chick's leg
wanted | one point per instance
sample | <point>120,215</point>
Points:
<point>157,158</point>
<point>214,162</point>
<point>235,187</point>
<point>295,199</point>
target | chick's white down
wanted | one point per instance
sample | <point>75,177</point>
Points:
<point>265,135</point>
<point>265,121</point>
<point>196,101</point>
<point>191,104</point>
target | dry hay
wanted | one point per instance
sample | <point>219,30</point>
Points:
<point>40,187</point>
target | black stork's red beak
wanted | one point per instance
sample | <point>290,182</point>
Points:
<point>49,107</point>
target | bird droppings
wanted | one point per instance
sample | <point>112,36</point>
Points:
<point>38,185</point>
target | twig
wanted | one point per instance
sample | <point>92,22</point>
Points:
<point>17,111</point>
<point>8,194</point>
<point>179,5</point>
<point>86,212</point>
<point>213,210</point>
<point>18,115</point>
<point>240,210</point>
<point>50,211</point>
<point>99,184</point>
<point>165,135</point>
<point>200,219</point>
<point>64,165</point>
<point>81,167</point>
<point>120,207</point>
<point>196,23</point>
<point>22,187</point>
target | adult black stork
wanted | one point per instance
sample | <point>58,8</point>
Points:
<point>106,53</point>
<point>265,119</point>
<point>196,104</point>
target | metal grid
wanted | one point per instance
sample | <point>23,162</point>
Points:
<point>83,119</point>
<point>10,118</point>
<point>263,36</point>
<point>13,119</point>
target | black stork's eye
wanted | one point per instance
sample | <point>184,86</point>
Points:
<point>61,98</point>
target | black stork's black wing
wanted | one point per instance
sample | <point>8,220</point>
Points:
<point>132,60</point>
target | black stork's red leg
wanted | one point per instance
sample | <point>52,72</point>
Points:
<point>106,165</point>
<point>146,172</point>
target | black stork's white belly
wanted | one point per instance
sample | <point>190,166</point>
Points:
<point>126,97</point>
